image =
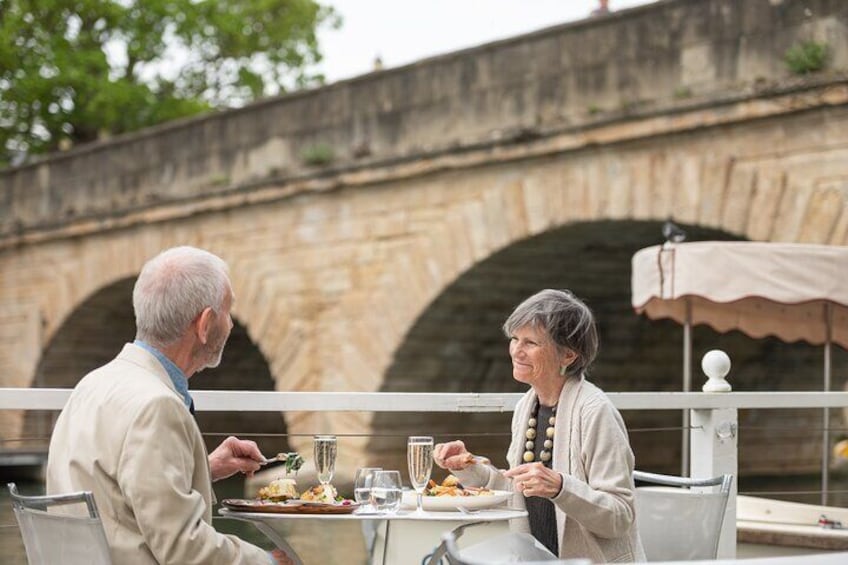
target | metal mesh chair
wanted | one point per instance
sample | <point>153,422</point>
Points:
<point>53,537</point>
<point>505,548</point>
<point>682,519</point>
<point>510,548</point>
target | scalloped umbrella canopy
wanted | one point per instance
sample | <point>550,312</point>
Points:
<point>788,290</point>
<point>761,289</point>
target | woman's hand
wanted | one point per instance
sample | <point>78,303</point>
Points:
<point>452,456</point>
<point>534,479</point>
<point>234,455</point>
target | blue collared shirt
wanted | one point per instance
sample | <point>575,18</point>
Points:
<point>174,373</point>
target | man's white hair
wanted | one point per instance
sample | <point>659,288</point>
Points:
<point>173,288</point>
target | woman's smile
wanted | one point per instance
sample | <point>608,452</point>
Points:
<point>534,356</point>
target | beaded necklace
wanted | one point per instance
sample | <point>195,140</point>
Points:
<point>530,435</point>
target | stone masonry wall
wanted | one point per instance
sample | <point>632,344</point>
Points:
<point>329,283</point>
<point>635,63</point>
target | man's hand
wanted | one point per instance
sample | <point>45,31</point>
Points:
<point>234,455</point>
<point>281,557</point>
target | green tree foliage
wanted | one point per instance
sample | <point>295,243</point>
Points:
<point>73,71</point>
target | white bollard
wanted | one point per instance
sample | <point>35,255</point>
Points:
<point>714,444</point>
<point>716,364</point>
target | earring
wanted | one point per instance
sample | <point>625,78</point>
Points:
<point>562,370</point>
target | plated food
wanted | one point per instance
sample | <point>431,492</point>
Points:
<point>452,487</point>
<point>322,493</point>
<point>451,494</point>
<point>447,503</point>
<point>284,490</point>
<point>279,490</point>
<point>282,496</point>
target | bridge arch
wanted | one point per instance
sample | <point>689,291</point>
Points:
<point>455,345</point>
<point>96,330</point>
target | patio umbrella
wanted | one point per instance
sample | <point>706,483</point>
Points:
<point>795,292</point>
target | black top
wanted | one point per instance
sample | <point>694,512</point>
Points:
<point>541,510</point>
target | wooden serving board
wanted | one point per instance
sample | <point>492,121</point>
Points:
<point>288,507</point>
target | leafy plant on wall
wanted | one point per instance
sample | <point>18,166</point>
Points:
<point>806,57</point>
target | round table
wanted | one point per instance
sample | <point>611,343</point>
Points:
<point>404,537</point>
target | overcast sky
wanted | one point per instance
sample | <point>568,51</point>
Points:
<point>403,31</point>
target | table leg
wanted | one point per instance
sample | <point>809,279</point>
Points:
<point>386,541</point>
<point>370,529</point>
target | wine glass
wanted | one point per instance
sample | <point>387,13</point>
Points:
<point>419,456</point>
<point>325,457</point>
<point>386,492</point>
<point>362,483</point>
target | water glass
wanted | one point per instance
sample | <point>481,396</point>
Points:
<point>362,483</point>
<point>386,492</point>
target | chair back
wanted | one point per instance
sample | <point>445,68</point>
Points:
<point>53,537</point>
<point>507,548</point>
<point>682,519</point>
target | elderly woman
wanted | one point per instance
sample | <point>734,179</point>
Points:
<point>570,462</point>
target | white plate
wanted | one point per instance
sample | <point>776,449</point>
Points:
<point>448,503</point>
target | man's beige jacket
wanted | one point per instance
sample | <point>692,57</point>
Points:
<point>126,435</point>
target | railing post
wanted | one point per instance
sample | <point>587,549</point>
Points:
<point>714,444</point>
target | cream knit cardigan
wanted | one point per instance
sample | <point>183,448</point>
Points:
<point>595,509</point>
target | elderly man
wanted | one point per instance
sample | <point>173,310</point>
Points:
<point>127,432</point>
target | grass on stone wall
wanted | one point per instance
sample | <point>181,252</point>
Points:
<point>806,57</point>
<point>318,155</point>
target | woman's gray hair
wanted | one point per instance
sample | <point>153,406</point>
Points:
<point>173,288</point>
<point>565,319</point>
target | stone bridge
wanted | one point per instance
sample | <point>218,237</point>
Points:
<point>380,229</point>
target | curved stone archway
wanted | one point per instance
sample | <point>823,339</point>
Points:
<point>97,329</point>
<point>456,345</point>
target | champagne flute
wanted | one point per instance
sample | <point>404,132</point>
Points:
<point>362,483</point>
<point>419,456</point>
<point>325,457</point>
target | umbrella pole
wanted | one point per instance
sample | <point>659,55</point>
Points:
<point>826,411</point>
<point>687,386</point>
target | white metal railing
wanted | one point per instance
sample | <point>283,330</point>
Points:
<point>266,401</point>
<point>712,436</point>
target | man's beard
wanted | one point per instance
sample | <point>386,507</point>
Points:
<point>214,349</point>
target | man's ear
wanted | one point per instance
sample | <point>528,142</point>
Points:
<point>204,322</point>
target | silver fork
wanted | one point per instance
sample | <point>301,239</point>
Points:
<point>473,511</point>
<point>277,457</point>
<point>292,460</point>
